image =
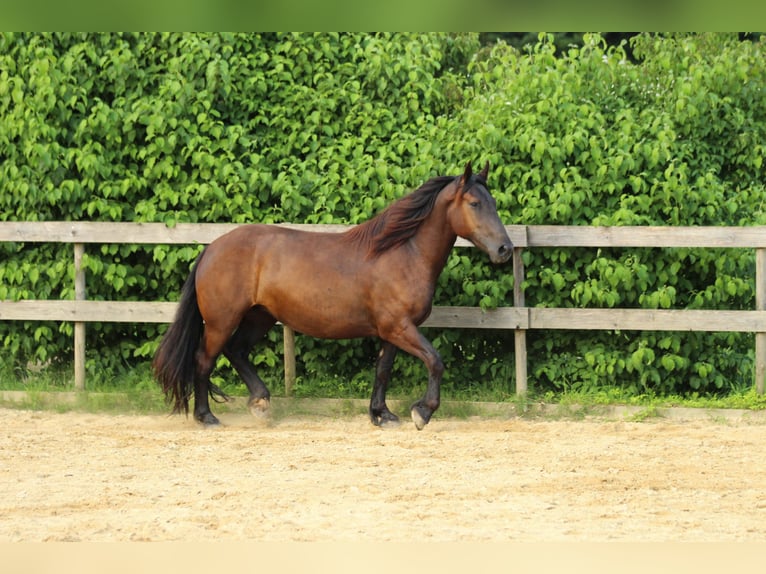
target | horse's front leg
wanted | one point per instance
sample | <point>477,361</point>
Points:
<point>380,415</point>
<point>422,410</point>
<point>410,340</point>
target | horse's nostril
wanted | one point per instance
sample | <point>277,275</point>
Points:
<point>504,253</point>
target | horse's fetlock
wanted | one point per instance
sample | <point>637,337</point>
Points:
<point>432,404</point>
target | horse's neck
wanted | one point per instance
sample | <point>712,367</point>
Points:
<point>434,240</point>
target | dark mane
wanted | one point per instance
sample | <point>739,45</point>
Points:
<point>401,220</point>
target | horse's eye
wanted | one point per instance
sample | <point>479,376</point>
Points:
<point>474,204</point>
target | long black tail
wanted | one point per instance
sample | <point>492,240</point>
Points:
<point>175,361</point>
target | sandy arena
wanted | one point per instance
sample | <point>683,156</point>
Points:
<point>98,477</point>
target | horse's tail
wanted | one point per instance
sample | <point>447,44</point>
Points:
<point>175,362</point>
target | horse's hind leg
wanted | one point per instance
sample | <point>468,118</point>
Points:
<point>253,327</point>
<point>213,341</point>
<point>214,338</point>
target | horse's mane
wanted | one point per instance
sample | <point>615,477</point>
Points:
<point>401,220</point>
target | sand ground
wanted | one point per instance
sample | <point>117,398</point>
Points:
<point>100,477</point>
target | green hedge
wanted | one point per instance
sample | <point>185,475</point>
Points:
<point>591,139</point>
<point>328,128</point>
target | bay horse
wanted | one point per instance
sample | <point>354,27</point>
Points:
<point>375,280</point>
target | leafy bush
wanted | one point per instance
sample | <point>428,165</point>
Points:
<point>330,128</point>
<point>591,139</point>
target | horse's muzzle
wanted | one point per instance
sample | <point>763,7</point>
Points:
<point>502,254</point>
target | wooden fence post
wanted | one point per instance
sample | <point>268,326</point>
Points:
<point>79,326</point>
<point>289,345</point>
<point>760,305</point>
<point>520,335</point>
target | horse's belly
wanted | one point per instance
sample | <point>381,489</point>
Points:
<point>323,312</point>
<point>327,323</point>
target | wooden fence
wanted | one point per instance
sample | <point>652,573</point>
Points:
<point>519,318</point>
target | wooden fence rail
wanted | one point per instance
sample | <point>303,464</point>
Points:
<point>518,318</point>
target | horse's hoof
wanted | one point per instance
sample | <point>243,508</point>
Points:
<point>384,418</point>
<point>208,420</point>
<point>390,421</point>
<point>259,407</point>
<point>420,416</point>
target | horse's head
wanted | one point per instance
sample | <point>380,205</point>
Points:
<point>472,214</point>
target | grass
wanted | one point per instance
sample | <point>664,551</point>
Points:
<point>741,399</point>
<point>136,392</point>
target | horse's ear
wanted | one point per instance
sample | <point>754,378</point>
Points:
<point>466,174</point>
<point>485,172</point>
